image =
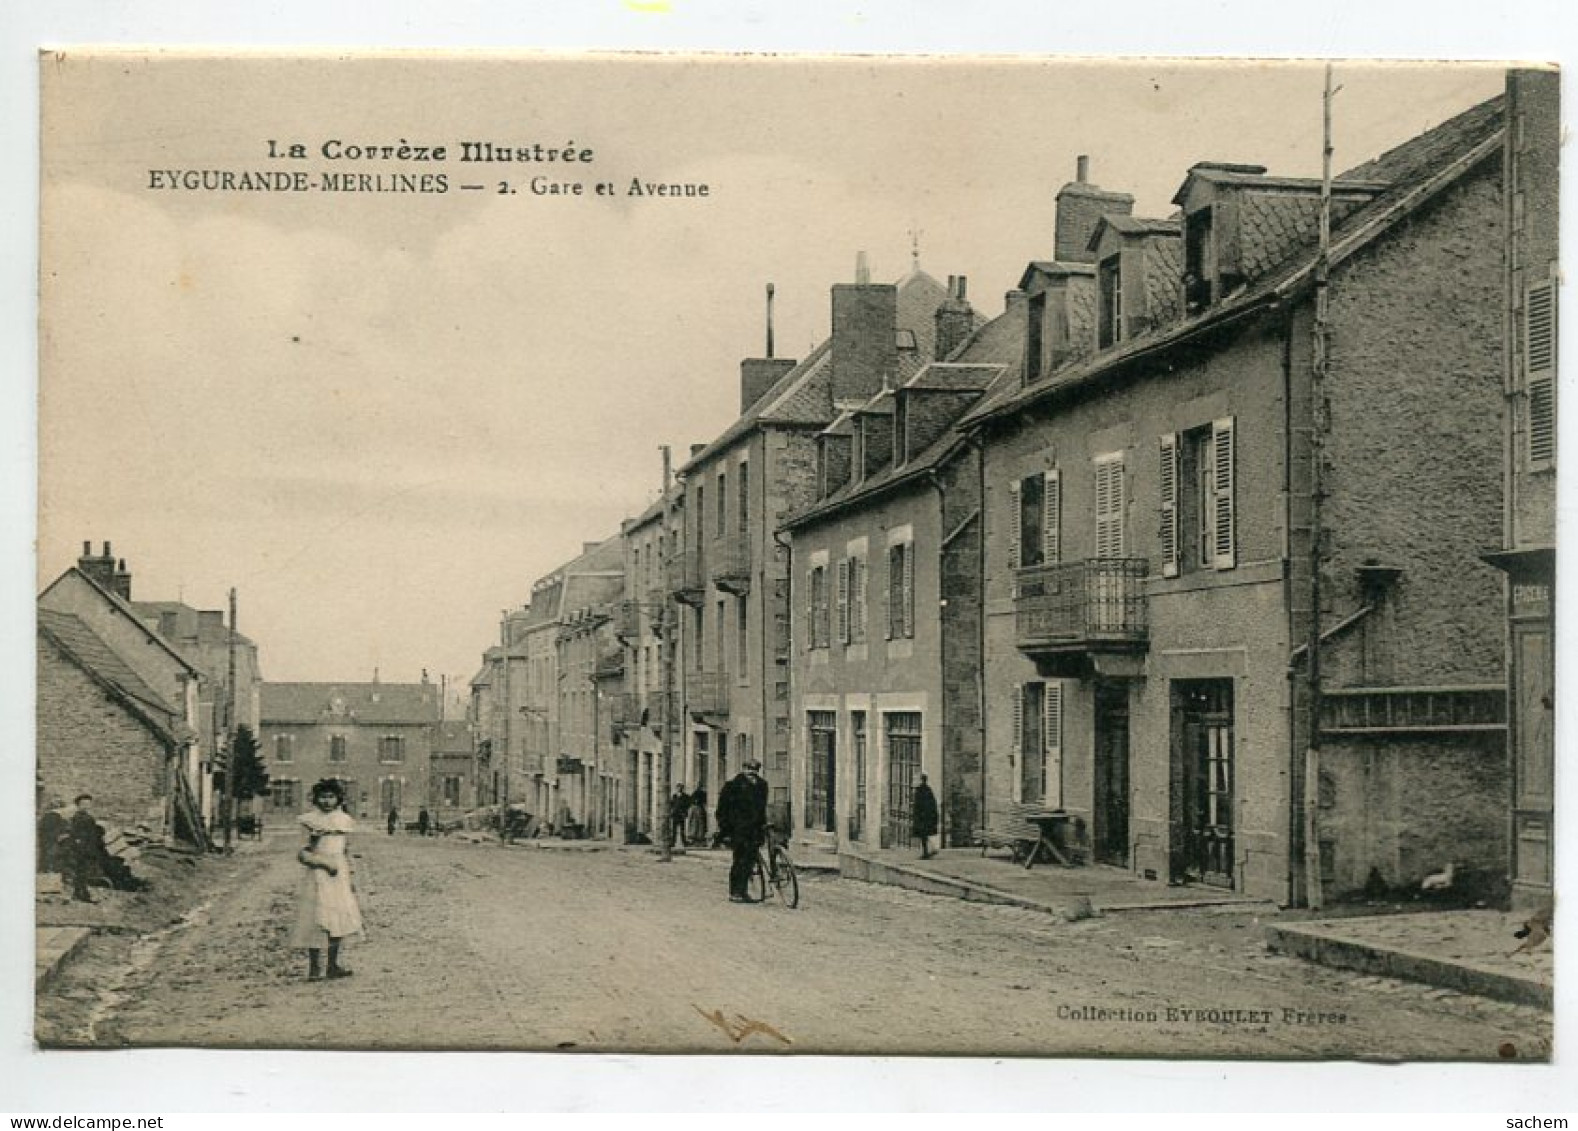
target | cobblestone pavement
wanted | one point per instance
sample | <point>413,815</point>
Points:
<point>476,946</point>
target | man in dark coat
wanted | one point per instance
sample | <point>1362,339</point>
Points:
<point>424,822</point>
<point>742,822</point>
<point>923,817</point>
<point>678,810</point>
<point>84,849</point>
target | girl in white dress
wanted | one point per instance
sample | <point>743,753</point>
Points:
<point>326,911</point>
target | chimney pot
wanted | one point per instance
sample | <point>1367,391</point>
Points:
<point>107,552</point>
<point>1082,169</point>
<point>961,295</point>
<point>862,270</point>
<point>87,549</point>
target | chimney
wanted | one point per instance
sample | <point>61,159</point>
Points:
<point>1080,205</point>
<point>954,320</point>
<point>862,270</point>
<point>1013,298</point>
<point>865,355</point>
<point>758,374</point>
<point>105,571</point>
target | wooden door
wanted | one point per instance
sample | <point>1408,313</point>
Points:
<point>1112,774</point>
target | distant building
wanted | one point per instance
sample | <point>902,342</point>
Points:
<point>375,738</point>
<point>452,772</point>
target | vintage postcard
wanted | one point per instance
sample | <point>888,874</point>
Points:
<point>796,555</point>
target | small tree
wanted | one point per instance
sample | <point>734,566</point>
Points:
<point>251,773</point>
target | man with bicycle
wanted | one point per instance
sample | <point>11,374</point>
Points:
<point>742,823</point>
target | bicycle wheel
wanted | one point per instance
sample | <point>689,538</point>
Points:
<point>785,880</point>
<point>758,889</point>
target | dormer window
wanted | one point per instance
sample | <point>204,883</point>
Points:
<point>1109,280</point>
<point>1199,260</point>
<point>1036,313</point>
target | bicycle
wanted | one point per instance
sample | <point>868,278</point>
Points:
<point>774,869</point>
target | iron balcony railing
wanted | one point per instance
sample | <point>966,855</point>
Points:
<point>1098,602</point>
<point>707,693</point>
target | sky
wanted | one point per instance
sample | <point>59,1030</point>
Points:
<point>381,417</point>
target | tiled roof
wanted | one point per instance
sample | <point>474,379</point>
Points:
<point>1163,275</point>
<point>208,630</point>
<point>804,395</point>
<point>124,608</point>
<point>1475,139</point>
<point>976,367</point>
<point>89,652</point>
<point>1274,225</point>
<point>1415,157</point>
<point>369,704</point>
<point>1140,225</point>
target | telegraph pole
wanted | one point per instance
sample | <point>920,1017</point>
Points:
<point>228,805</point>
<point>668,643</point>
<point>1320,422</point>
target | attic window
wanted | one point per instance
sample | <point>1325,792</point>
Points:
<point>1199,260</point>
<point>1109,281</point>
<point>1035,320</point>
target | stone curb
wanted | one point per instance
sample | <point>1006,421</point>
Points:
<point>1330,948</point>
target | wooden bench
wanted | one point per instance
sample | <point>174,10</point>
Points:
<point>1013,825</point>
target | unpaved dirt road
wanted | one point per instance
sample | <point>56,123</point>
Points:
<point>478,946</point>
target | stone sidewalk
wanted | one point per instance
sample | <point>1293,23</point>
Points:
<point>1069,892</point>
<point>1465,950</point>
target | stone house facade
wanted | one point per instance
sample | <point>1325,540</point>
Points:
<point>886,669</point>
<point>375,738</point>
<point>1149,521</point>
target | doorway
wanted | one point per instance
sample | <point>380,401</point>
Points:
<point>1112,774</point>
<point>820,801</point>
<point>1201,806</point>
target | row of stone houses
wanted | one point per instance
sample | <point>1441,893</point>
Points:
<point>134,701</point>
<point>1193,543</point>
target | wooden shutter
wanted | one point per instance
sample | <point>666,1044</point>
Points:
<point>843,601</point>
<point>1109,506</point>
<point>1539,369</point>
<point>857,610</point>
<point>1168,532</point>
<point>1224,526</point>
<point>1052,518</point>
<point>1018,751</point>
<point>890,595</point>
<point>909,589</point>
<point>810,608</point>
<point>1014,524</point>
<point>1052,743</point>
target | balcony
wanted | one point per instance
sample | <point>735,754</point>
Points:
<point>731,563</point>
<point>707,693</point>
<point>685,580</point>
<point>1082,610</point>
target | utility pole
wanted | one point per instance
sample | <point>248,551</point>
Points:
<point>668,643</point>
<point>1320,423</point>
<point>229,803</point>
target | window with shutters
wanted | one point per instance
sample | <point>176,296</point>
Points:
<point>1110,494</point>
<point>742,639</point>
<point>901,591</point>
<point>1539,371</point>
<point>284,748</point>
<point>817,608</point>
<point>1038,741</point>
<point>1198,522</point>
<point>391,748</point>
<point>337,748</point>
